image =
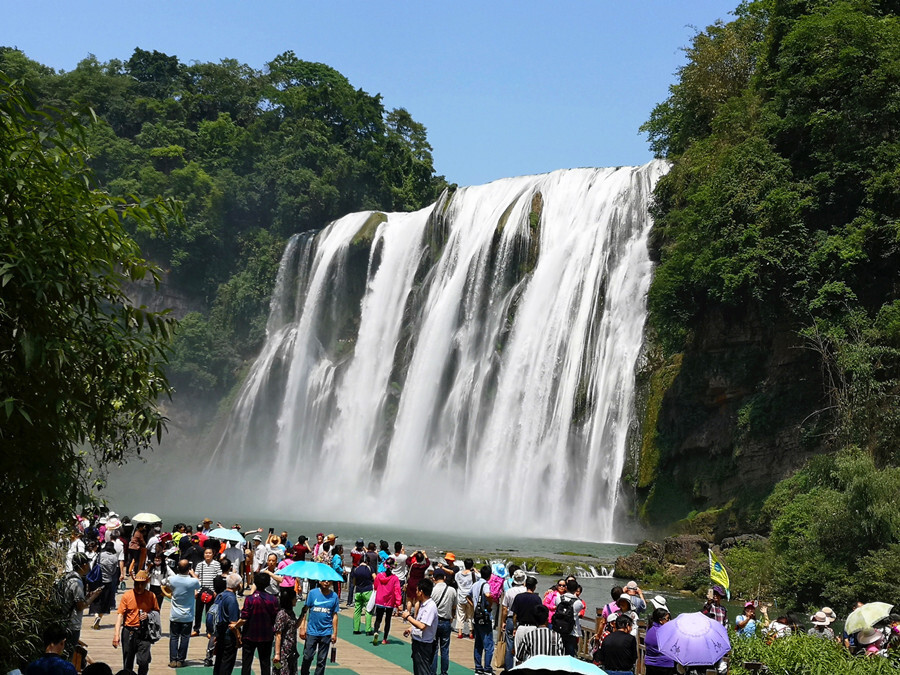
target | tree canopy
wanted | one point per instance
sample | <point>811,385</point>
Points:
<point>254,156</point>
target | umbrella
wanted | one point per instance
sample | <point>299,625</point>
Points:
<point>304,569</point>
<point>226,534</point>
<point>866,616</point>
<point>146,518</point>
<point>693,640</point>
<point>557,664</point>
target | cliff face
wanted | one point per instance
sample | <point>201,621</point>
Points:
<point>723,421</point>
<point>168,296</point>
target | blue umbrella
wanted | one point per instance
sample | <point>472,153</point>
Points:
<point>557,664</point>
<point>304,569</point>
<point>226,534</point>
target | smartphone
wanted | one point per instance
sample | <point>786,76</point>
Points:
<point>271,530</point>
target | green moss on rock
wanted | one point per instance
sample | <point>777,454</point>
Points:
<point>660,380</point>
<point>366,234</point>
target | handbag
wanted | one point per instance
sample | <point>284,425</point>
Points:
<point>370,605</point>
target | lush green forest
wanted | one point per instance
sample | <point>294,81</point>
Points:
<point>254,157</point>
<point>782,208</point>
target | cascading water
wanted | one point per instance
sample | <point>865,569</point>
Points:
<point>469,365</point>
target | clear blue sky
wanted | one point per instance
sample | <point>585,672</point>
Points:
<point>504,88</point>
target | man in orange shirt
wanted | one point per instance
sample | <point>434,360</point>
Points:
<point>134,607</point>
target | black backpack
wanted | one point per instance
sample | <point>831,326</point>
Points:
<point>564,617</point>
<point>483,618</point>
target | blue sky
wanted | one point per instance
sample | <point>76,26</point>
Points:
<point>504,88</point>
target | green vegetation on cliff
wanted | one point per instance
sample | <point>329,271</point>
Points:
<point>253,156</point>
<point>778,242</point>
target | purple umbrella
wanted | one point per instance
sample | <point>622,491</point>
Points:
<point>693,640</point>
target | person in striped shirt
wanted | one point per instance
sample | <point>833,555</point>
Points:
<point>538,639</point>
<point>206,570</point>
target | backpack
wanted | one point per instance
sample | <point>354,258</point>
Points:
<point>154,626</point>
<point>59,595</point>
<point>213,617</point>
<point>94,578</point>
<point>564,617</point>
<point>483,618</point>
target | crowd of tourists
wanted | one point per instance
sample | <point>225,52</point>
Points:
<point>233,593</point>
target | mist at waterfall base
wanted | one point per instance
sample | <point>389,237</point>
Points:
<point>466,367</point>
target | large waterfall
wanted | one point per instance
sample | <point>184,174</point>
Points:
<point>467,366</point>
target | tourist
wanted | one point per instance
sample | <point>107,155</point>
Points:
<point>444,597</point>
<point>153,541</point>
<point>821,626</point>
<point>655,662</point>
<point>52,662</point>
<point>551,596</point>
<point>363,581</point>
<point>272,578</point>
<point>285,541</point>
<point>205,526</point>
<point>780,627</point>
<point>206,570</point>
<point>137,550</point>
<point>325,555</point>
<point>235,555</point>
<point>230,575</point>
<point>870,641</point>
<point>524,604</point>
<point>260,553</point>
<point>337,564</point>
<point>623,608</point>
<point>713,607</point>
<point>131,624</point>
<point>570,636</point>
<point>400,569</point>
<point>319,626</point>
<point>480,598</point>
<point>109,577</point>
<point>448,564</point>
<point>356,556</point>
<point>194,552</point>
<point>301,548</point>
<point>498,577</point>
<point>226,628</point>
<point>317,548</point>
<point>745,624</point>
<point>275,547</point>
<point>180,588</point>
<point>286,655</point>
<point>159,572</point>
<point>465,579</point>
<point>537,639</point>
<point>76,601</point>
<point>257,622</point>
<point>371,557</point>
<point>507,625</point>
<point>618,653</point>
<point>383,554</point>
<point>388,598</point>
<point>417,564</point>
<point>635,597</point>
<point>424,628</point>
<point>76,545</point>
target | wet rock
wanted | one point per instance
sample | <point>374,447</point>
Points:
<point>742,540</point>
<point>684,548</point>
<point>651,549</point>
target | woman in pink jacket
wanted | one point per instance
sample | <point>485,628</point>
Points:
<point>387,597</point>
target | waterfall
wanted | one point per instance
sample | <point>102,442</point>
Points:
<point>469,365</point>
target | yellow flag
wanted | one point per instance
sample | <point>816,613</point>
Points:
<point>718,573</point>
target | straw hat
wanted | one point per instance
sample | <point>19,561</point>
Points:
<point>827,611</point>
<point>868,636</point>
<point>820,619</point>
<point>659,602</point>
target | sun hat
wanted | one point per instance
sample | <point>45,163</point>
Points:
<point>827,611</point>
<point>257,538</point>
<point>102,520</point>
<point>499,569</point>
<point>207,520</point>
<point>331,537</point>
<point>631,585</point>
<point>868,636</point>
<point>819,619</point>
<point>519,577</point>
<point>142,576</point>
<point>718,590</point>
<point>659,602</point>
<point>450,556</point>
<point>113,523</point>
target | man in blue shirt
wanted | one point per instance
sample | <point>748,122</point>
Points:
<point>319,626</point>
<point>228,624</point>
<point>52,662</point>
<point>180,588</point>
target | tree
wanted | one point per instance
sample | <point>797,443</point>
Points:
<point>81,368</point>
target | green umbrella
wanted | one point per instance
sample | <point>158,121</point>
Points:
<point>866,616</point>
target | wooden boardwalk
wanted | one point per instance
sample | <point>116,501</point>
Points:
<point>355,653</point>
